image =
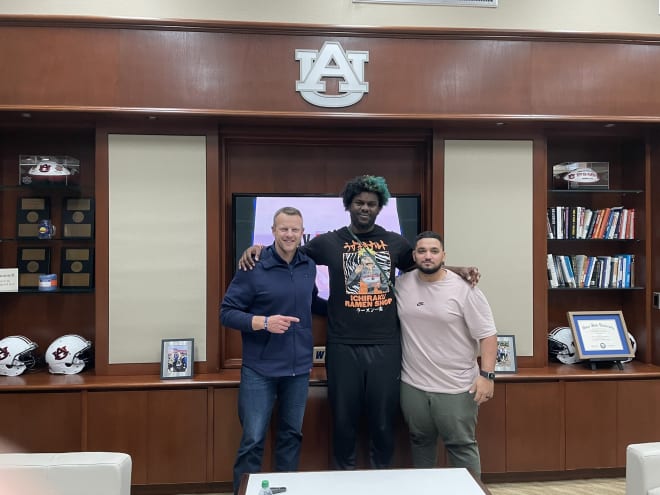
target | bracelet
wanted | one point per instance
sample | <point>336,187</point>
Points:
<point>266,323</point>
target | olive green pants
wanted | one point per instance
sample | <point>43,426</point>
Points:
<point>451,417</point>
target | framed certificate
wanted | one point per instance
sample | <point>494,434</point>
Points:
<point>600,335</point>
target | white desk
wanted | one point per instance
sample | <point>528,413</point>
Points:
<point>449,481</point>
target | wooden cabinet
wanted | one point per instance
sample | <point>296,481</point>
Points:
<point>164,431</point>
<point>534,427</point>
<point>591,420</point>
<point>226,432</point>
<point>638,414</point>
<point>117,422</point>
<point>491,432</point>
<point>42,422</point>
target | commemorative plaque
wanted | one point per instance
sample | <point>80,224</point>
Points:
<point>77,268</point>
<point>32,262</point>
<point>78,218</point>
<point>29,213</point>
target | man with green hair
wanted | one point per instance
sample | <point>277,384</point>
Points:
<point>363,351</point>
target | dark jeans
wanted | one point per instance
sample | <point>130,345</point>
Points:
<point>363,378</point>
<point>256,397</point>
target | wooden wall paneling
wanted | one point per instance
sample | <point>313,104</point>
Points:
<point>215,268</point>
<point>638,410</point>
<point>591,418</point>
<point>253,71</point>
<point>60,67</point>
<point>491,432</point>
<point>226,432</point>
<point>177,436</point>
<point>101,260</point>
<point>316,446</point>
<point>591,87</point>
<point>42,422</point>
<point>433,207</point>
<point>44,317</point>
<point>534,427</point>
<point>118,422</point>
<point>207,79</point>
<point>653,265</point>
<point>539,248</point>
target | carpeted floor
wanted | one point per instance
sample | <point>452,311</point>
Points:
<point>600,486</point>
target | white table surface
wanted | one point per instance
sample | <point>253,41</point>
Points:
<point>450,481</point>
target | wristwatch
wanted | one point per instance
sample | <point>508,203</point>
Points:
<point>487,374</point>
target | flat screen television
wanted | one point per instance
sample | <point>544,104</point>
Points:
<point>253,219</point>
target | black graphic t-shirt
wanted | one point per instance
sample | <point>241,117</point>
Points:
<point>361,306</point>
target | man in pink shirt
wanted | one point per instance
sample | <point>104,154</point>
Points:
<point>445,324</point>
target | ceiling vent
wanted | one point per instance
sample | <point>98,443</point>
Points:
<point>453,3</point>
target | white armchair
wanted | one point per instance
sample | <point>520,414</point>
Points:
<point>70,473</point>
<point>643,469</point>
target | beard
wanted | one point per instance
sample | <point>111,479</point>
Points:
<point>431,269</point>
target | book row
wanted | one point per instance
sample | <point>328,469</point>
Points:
<point>578,222</point>
<point>582,271</point>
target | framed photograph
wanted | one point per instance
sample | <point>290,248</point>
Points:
<point>600,335</point>
<point>177,358</point>
<point>506,354</point>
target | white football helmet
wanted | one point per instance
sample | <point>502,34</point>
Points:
<point>16,355</point>
<point>561,346</point>
<point>69,354</point>
<point>633,347</point>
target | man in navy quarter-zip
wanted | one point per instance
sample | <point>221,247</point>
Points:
<point>272,307</point>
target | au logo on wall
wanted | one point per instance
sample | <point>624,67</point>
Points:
<point>332,61</point>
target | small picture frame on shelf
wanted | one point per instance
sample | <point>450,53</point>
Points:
<point>600,335</point>
<point>506,354</point>
<point>177,358</point>
<point>581,175</point>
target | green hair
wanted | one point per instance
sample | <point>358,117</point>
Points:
<point>366,183</point>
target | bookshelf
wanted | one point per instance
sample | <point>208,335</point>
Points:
<point>605,256</point>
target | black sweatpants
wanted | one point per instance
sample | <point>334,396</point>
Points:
<point>363,378</point>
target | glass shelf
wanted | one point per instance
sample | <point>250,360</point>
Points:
<point>45,187</point>
<point>32,240</point>
<point>594,240</point>
<point>592,289</point>
<point>59,290</point>
<point>597,191</point>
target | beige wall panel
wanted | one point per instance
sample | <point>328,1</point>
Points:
<point>157,244</point>
<point>638,16</point>
<point>488,223</point>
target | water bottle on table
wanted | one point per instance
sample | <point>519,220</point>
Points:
<point>265,488</point>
